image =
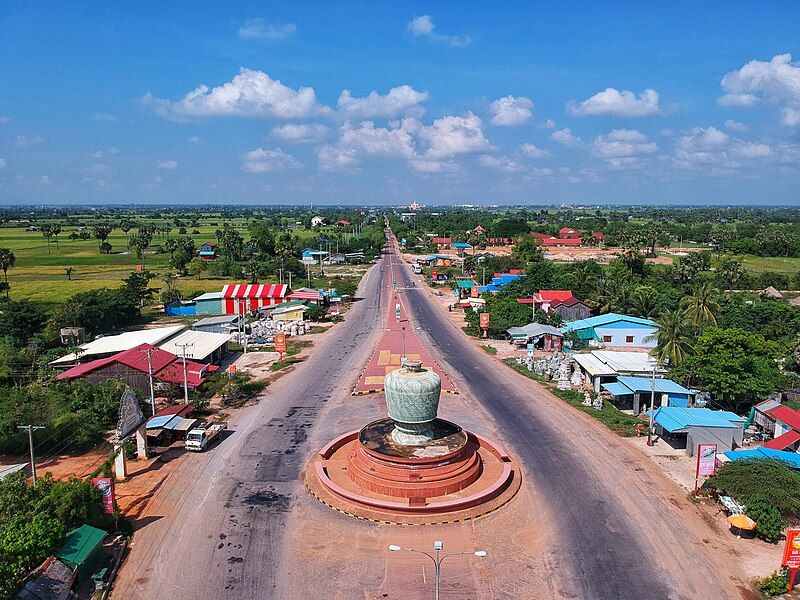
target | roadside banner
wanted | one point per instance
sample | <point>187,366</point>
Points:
<point>106,487</point>
<point>484,320</point>
<point>706,462</point>
<point>473,291</point>
<point>280,344</point>
<point>397,311</point>
<point>531,349</point>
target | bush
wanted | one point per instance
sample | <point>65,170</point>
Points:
<point>774,585</point>
<point>754,479</point>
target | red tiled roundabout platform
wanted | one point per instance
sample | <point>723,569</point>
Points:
<point>461,476</point>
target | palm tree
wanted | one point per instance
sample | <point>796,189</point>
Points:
<point>673,340</point>
<point>702,307</point>
<point>252,269</point>
<point>7,260</point>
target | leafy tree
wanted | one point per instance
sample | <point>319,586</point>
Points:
<point>730,270</point>
<point>20,321</point>
<point>101,233</point>
<point>137,286</point>
<point>737,367</point>
<point>7,261</point>
<point>231,242</point>
<point>673,340</point>
<point>754,479</point>
<point>702,307</point>
<point>769,522</point>
<point>509,228</point>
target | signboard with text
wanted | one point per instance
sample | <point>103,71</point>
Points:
<point>130,414</point>
<point>280,344</point>
<point>706,459</point>
<point>106,487</point>
<point>791,552</point>
<point>484,320</point>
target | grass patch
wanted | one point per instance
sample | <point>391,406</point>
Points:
<point>287,362</point>
<point>617,421</point>
<point>490,349</point>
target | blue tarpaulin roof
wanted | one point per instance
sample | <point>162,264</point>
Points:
<point>675,418</point>
<point>157,422</point>
<point>460,245</point>
<point>793,458</point>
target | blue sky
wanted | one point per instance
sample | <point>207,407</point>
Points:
<point>469,102</point>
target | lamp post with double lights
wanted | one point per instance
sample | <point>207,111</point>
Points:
<point>438,558</point>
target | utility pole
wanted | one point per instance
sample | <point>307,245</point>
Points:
<point>533,308</point>
<point>31,429</point>
<point>150,352</point>
<point>652,407</point>
<point>290,280</point>
<point>185,378</point>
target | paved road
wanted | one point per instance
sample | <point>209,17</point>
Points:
<point>216,526</point>
<point>616,533</point>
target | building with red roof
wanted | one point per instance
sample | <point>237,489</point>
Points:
<point>549,241</point>
<point>560,302</point>
<point>131,366</point>
<point>567,233</point>
<point>342,223</point>
<point>243,298</point>
<point>442,242</point>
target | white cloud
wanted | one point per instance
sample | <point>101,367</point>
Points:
<point>104,118</point>
<point>367,142</point>
<point>263,160</point>
<point>257,29</point>
<point>195,139</point>
<point>547,124</point>
<point>790,116</point>
<point>169,165</point>
<point>565,138</point>
<point>500,163</point>
<point>533,151</point>
<point>435,166</point>
<point>453,135</point>
<point>735,125</point>
<point>248,94</point>
<point>423,27</point>
<point>510,111</point>
<point>712,149</point>
<point>776,81</point>
<point>303,133</point>
<point>24,141</point>
<point>398,101</point>
<point>612,102</point>
<point>753,150</point>
<point>622,143</point>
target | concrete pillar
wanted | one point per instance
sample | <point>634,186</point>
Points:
<point>141,442</point>
<point>636,403</point>
<point>120,465</point>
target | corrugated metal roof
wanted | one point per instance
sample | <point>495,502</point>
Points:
<point>256,290</point>
<point>202,343</point>
<point>220,320</point>
<point>783,441</point>
<point>616,389</point>
<point>662,386</point>
<point>124,341</point>
<point>766,453</point>
<point>209,296</point>
<point>533,330</point>
<point>606,319</point>
<point>677,419</point>
<point>593,365</point>
<point>787,415</point>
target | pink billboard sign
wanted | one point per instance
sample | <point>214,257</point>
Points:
<point>706,460</point>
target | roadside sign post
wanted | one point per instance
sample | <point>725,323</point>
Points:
<point>706,462</point>
<point>280,345</point>
<point>791,554</point>
<point>484,322</point>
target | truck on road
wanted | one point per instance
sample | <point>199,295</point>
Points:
<point>199,438</point>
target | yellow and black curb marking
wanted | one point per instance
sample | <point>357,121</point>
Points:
<point>383,522</point>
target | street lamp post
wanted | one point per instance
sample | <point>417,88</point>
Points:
<point>438,558</point>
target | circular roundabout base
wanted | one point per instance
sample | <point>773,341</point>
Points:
<point>329,478</point>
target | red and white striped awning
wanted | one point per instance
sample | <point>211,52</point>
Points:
<point>239,297</point>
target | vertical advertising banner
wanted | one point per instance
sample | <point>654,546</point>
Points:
<point>106,487</point>
<point>706,459</point>
<point>280,343</point>
<point>484,320</point>
<point>791,553</point>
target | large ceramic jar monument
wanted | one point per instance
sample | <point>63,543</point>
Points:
<point>412,400</point>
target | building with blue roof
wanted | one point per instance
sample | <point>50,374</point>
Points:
<point>615,330</point>
<point>689,427</point>
<point>635,393</point>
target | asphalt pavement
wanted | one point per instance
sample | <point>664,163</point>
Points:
<point>216,525</point>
